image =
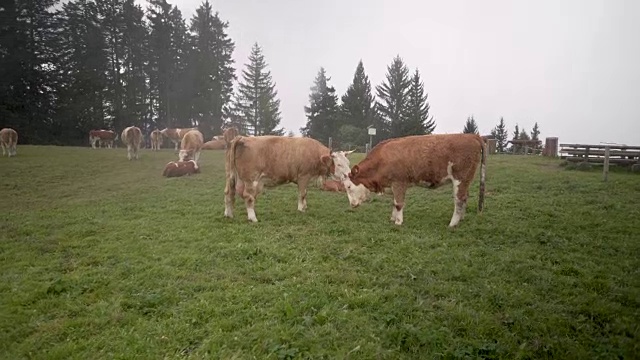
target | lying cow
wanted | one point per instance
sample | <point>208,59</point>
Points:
<point>132,138</point>
<point>191,145</point>
<point>333,185</point>
<point>156,140</point>
<point>175,135</point>
<point>9,141</point>
<point>214,145</point>
<point>180,168</point>
<point>427,160</point>
<point>106,137</point>
<point>252,160</point>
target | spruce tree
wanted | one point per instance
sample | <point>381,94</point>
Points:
<point>516,136</point>
<point>356,109</point>
<point>83,63</point>
<point>257,98</point>
<point>393,95</point>
<point>135,53</point>
<point>535,132</point>
<point>210,69</point>
<point>500,134</point>
<point>322,111</point>
<point>417,120</point>
<point>470,127</point>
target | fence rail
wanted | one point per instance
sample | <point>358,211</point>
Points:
<point>604,154</point>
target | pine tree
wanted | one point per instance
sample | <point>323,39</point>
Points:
<point>83,63</point>
<point>257,98</point>
<point>28,46</point>
<point>356,109</point>
<point>535,132</point>
<point>322,111</point>
<point>393,95</point>
<point>516,136</point>
<point>210,69</point>
<point>470,127</point>
<point>417,120</point>
<point>500,134</point>
<point>135,51</point>
<point>167,59</point>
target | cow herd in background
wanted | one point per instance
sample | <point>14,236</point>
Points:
<point>251,161</point>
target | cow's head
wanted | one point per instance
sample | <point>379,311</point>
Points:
<point>338,164</point>
<point>185,155</point>
<point>357,194</point>
<point>362,174</point>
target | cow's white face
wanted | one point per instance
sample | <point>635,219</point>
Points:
<point>357,194</point>
<point>183,155</point>
<point>341,164</point>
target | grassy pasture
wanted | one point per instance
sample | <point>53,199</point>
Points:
<point>102,258</point>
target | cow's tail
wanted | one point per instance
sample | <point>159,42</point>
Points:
<point>230,165</point>
<point>483,174</point>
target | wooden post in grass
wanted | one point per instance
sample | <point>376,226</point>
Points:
<point>605,168</point>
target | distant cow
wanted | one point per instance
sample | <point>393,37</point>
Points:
<point>426,160</point>
<point>229,134</point>
<point>191,145</point>
<point>9,141</point>
<point>132,138</point>
<point>106,137</point>
<point>176,135</point>
<point>156,140</point>
<point>214,145</point>
<point>252,160</point>
<point>180,168</point>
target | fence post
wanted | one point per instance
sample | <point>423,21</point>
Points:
<point>605,168</point>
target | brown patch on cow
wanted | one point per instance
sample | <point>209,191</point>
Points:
<point>427,159</point>
<point>9,141</point>
<point>180,168</point>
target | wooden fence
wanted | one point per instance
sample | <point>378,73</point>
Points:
<point>604,154</point>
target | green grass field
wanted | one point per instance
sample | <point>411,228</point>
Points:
<point>103,258</point>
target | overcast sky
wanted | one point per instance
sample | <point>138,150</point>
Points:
<point>571,65</point>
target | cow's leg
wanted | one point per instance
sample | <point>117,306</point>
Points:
<point>399,189</point>
<point>249,195</point>
<point>129,151</point>
<point>197,156</point>
<point>302,193</point>
<point>3,148</point>
<point>460,196</point>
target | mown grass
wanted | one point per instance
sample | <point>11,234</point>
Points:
<point>102,257</point>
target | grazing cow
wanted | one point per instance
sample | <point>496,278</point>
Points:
<point>214,145</point>
<point>229,134</point>
<point>191,145</point>
<point>106,137</point>
<point>252,160</point>
<point>9,141</point>
<point>424,160</point>
<point>176,135</point>
<point>156,140</point>
<point>132,137</point>
<point>180,168</point>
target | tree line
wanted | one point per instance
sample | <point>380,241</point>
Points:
<point>499,132</point>
<point>70,67</point>
<point>90,64</point>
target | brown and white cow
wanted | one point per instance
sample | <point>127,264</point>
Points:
<point>9,141</point>
<point>191,145</point>
<point>278,159</point>
<point>132,138</point>
<point>101,136</point>
<point>333,185</point>
<point>175,135</point>
<point>214,145</point>
<point>156,140</point>
<point>424,160</point>
<point>180,168</point>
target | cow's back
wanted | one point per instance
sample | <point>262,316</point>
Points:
<point>9,136</point>
<point>279,158</point>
